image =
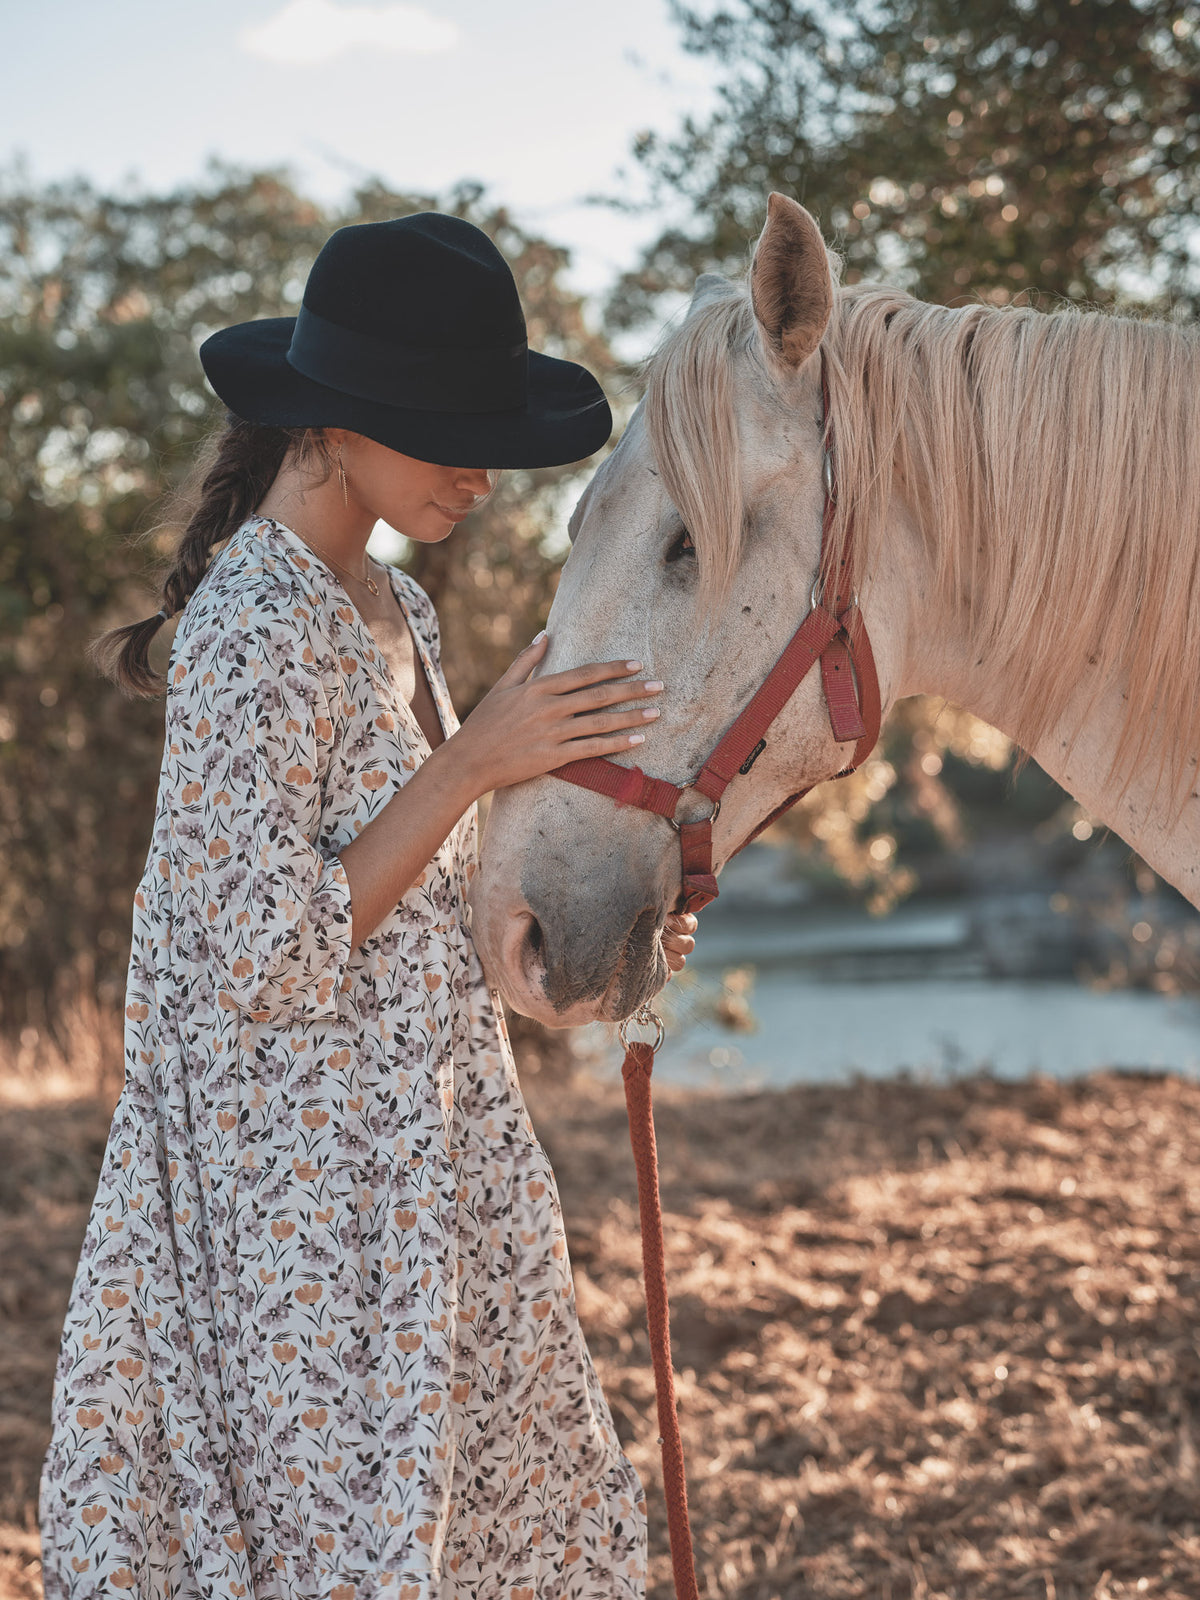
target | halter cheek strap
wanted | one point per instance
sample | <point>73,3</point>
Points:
<point>833,634</point>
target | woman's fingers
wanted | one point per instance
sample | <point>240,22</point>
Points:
<point>587,727</point>
<point>580,701</point>
<point>524,664</point>
<point>536,724</point>
<point>609,744</point>
<point>593,674</point>
<point>677,941</point>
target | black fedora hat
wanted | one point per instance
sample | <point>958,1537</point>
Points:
<point>411,332</point>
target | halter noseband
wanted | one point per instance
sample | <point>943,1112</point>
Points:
<point>833,633</point>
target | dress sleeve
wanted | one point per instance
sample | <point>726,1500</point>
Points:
<point>267,907</point>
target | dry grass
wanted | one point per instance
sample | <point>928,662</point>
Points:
<point>932,1341</point>
<point>56,1099</point>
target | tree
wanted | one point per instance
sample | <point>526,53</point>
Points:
<point>958,147</point>
<point>103,301</point>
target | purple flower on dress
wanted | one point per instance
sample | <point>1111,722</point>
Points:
<point>324,1502</point>
<point>274,1190</point>
<point>353,1141</point>
<point>273,1313</point>
<point>317,1254</point>
<point>187,1493</point>
<point>250,1224</point>
<point>401,1299</point>
<point>267,699</point>
<point>270,1068</point>
<point>237,642</point>
<point>356,1359</point>
<point>365,1485</point>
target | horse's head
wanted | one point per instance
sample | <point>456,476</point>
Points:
<point>695,549</point>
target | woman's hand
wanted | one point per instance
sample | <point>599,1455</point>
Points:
<point>526,726</point>
<point>677,941</point>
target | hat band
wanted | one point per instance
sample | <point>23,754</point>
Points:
<point>415,377</point>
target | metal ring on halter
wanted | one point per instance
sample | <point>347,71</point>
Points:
<point>712,817</point>
<point>827,475</point>
<point>643,1017</point>
<point>814,600</point>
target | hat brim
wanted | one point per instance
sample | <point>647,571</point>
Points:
<point>566,416</point>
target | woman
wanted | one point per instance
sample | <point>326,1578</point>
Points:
<point>322,1341</point>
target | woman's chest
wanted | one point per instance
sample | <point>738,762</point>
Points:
<point>394,640</point>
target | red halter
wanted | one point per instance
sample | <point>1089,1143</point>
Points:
<point>833,633</point>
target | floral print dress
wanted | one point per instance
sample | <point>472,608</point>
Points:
<point>322,1343</point>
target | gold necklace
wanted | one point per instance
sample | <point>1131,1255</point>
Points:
<point>369,581</point>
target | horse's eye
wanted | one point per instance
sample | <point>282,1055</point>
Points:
<point>681,546</point>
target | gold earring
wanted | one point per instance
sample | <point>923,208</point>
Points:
<point>342,478</point>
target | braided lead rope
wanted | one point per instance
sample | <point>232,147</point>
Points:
<point>639,1064</point>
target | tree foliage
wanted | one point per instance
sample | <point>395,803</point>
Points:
<point>957,147</point>
<point>103,301</point>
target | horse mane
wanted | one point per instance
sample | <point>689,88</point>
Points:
<point>1050,460</point>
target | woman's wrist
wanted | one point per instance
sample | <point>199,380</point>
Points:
<point>456,771</point>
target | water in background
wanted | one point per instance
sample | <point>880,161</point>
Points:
<point>830,993</point>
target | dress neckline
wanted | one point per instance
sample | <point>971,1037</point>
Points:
<point>374,652</point>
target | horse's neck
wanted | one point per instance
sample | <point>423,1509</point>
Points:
<point>1077,752</point>
<point>1144,818</point>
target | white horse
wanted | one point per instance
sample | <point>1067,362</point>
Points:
<point>1025,493</point>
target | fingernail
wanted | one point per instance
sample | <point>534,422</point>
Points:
<point>637,738</point>
<point>537,638</point>
<point>633,666</point>
<point>653,686</point>
<point>650,712</point>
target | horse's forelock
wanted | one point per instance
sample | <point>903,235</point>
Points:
<point>692,426</point>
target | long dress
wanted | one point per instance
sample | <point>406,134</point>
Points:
<point>322,1343</point>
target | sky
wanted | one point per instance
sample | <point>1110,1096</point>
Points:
<point>538,99</point>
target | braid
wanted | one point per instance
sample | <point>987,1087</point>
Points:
<point>230,479</point>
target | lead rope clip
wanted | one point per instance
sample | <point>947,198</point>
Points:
<point>639,1064</point>
<point>644,1017</point>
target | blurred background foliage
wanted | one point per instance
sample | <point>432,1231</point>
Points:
<point>103,302</point>
<point>984,147</point>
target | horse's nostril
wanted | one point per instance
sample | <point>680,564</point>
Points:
<point>535,939</point>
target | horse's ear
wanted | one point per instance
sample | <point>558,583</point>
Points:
<point>710,286</point>
<point>790,283</point>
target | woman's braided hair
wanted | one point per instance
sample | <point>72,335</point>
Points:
<point>230,479</point>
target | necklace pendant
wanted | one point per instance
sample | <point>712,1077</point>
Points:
<point>372,585</point>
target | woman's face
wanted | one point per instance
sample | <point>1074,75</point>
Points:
<point>418,499</point>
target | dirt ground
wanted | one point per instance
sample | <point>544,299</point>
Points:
<point>932,1341</point>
